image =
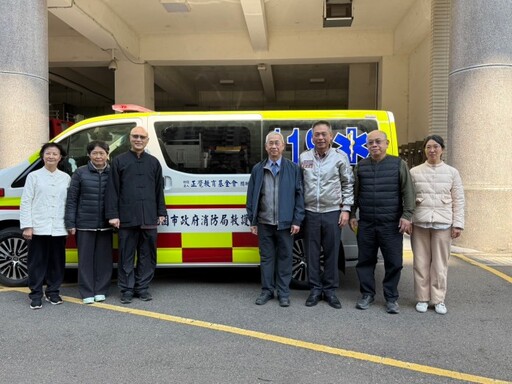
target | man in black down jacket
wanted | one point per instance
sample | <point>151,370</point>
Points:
<point>385,196</point>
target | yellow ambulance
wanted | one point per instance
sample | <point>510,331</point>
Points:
<point>206,159</point>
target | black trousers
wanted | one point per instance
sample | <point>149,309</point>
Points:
<point>276,259</point>
<point>46,262</point>
<point>141,242</point>
<point>370,238</point>
<point>94,262</point>
<point>321,231</point>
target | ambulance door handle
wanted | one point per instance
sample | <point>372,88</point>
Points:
<point>167,183</point>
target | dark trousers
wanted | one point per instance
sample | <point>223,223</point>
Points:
<point>369,238</point>
<point>276,259</point>
<point>321,231</point>
<point>135,240</point>
<point>46,261</point>
<point>94,262</point>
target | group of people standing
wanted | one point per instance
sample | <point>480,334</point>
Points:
<point>127,195</point>
<point>322,195</point>
<point>380,200</point>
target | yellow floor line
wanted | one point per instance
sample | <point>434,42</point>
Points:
<point>502,275</point>
<point>303,344</point>
<point>288,341</point>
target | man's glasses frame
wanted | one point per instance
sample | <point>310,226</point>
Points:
<point>138,137</point>
<point>376,141</point>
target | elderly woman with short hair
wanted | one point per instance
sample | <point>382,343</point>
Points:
<point>85,217</point>
<point>42,223</point>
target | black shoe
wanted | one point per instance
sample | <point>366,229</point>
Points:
<point>145,296</point>
<point>364,302</point>
<point>313,299</point>
<point>264,297</point>
<point>284,302</point>
<point>53,299</point>
<point>36,304</point>
<point>392,307</point>
<point>126,298</point>
<point>333,301</point>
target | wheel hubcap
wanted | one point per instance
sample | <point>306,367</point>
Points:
<point>13,258</point>
<point>299,263</point>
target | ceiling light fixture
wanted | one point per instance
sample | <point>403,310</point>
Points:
<point>227,82</point>
<point>113,63</point>
<point>317,80</point>
<point>176,6</point>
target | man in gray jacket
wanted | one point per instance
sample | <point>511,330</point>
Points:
<point>328,197</point>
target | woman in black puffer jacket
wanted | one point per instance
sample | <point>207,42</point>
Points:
<point>85,217</point>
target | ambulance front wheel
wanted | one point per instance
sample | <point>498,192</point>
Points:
<point>13,258</point>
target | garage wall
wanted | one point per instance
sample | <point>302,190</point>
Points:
<point>419,91</point>
<point>394,91</point>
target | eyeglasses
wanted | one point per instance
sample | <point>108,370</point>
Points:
<point>376,141</point>
<point>137,137</point>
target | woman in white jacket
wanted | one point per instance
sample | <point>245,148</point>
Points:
<point>42,222</point>
<point>438,218</point>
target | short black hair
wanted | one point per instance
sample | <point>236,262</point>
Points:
<point>97,143</point>
<point>438,139</point>
<point>50,145</point>
<point>322,122</point>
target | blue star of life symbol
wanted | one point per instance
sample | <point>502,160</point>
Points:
<point>352,144</point>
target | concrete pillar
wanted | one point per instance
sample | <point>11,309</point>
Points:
<point>23,79</point>
<point>135,84</point>
<point>440,59</point>
<point>362,86</point>
<point>394,91</point>
<point>480,129</point>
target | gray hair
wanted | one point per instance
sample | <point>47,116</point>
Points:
<point>274,133</point>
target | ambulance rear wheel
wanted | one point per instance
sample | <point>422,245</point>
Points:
<point>300,275</point>
<point>300,263</point>
<point>13,258</point>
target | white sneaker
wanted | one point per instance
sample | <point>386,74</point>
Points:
<point>441,309</point>
<point>88,300</point>
<point>422,306</point>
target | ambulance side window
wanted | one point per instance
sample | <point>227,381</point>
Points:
<point>298,137</point>
<point>115,135</point>
<point>210,147</point>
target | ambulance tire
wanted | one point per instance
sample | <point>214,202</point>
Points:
<point>300,263</point>
<point>13,258</point>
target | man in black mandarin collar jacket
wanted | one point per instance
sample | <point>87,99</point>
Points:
<point>135,205</point>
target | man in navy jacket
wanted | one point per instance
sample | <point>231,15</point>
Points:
<point>275,209</point>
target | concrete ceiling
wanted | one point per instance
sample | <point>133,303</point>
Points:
<point>267,50</point>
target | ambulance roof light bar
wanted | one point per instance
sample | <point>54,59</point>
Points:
<point>129,108</point>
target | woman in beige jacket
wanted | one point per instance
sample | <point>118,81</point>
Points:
<point>438,218</point>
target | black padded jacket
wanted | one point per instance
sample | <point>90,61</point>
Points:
<point>85,204</point>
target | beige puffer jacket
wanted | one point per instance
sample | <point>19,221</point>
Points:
<point>439,195</point>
